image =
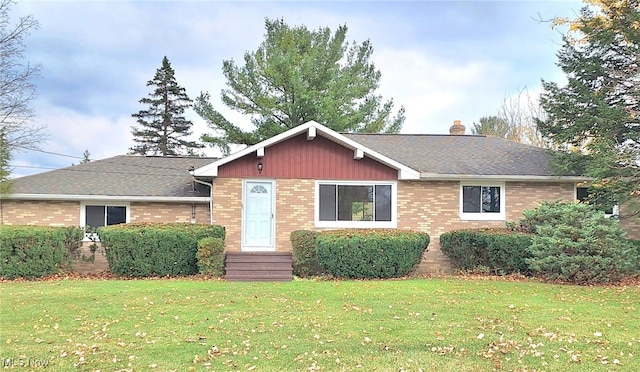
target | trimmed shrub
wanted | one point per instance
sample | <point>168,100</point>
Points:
<point>576,243</point>
<point>305,260</point>
<point>210,256</point>
<point>36,251</point>
<point>370,254</point>
<point>498,250</point>
<point>466,248</point>
<point>507,253</point>
<point>142,250</point>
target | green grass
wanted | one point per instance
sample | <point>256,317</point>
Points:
<point>419,324</point>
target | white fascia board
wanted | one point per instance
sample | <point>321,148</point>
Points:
<point>158,199</point>
<point>461,177</point>
<point>404,172</point>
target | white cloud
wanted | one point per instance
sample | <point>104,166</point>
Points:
<point>441,60</point>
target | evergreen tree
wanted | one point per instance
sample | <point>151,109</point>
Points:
<point>595,117</point>
<point>297,75</point>
<point>492,126</point>
<point>162,127</point>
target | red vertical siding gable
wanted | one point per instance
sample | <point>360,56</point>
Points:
<point>298,157</point>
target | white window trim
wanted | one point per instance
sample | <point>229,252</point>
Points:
<point>357,224</point>
<point>90,237</point>
<point>502,216</point>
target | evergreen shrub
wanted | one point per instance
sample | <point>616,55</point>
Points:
<point>375,253</point>
<point>305,260</point>
<point>143,250</point>
<point>576,243</point>
<point>498,250</point>
<point>210,256</point>
<point>37,251</point>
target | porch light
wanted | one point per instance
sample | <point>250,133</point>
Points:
<point>260,166</point>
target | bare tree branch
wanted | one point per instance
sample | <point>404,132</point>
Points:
<point>17,89</point>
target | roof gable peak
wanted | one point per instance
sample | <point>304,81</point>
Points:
<point>313,129</point>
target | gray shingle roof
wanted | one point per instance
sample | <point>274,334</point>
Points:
<point>469,155</point>
<point>124,175</point>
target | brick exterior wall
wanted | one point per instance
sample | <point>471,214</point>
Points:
<point>631,224</point>
<point>433,207</point>
<point>67,213</point>
<point>227,210</point>
<point>40,213</point>
<point>429,206</point>
<point>168,212</point>
<point>85,266</point>
<point>294,209</point>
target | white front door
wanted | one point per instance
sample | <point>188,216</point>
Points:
<point>258,216</point>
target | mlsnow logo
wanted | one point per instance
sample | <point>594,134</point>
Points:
<point>24,362</point>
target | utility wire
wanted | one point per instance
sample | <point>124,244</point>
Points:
<point>52,153</point>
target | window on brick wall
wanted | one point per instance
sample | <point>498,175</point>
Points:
<point>481,201</point>
<point>355,204</point>
<point>94,215</point>
<point>582,195</point>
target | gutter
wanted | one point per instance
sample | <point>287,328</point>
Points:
<point>166,199</point>
<point>459,177</point>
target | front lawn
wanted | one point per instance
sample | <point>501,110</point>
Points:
<point>417,324</point>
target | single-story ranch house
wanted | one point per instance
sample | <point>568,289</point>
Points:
<point>309,177</point>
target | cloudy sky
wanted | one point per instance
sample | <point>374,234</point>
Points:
<point>441,60</point>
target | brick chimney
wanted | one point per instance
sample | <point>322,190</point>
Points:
<point>457,129</point>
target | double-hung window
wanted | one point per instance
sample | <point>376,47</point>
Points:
<point>355,204</point>
<point>482,201</point>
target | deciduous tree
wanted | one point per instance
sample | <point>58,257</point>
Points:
<point>162,127</point>
<point>595,116</point>
<point>18,130</point>
<point>297,75</point>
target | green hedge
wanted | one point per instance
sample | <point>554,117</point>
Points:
<point>210,256</point>
<point>499,250</point>
<point>370,253</point>
<point>37,251</point>
<point>142,250</point>
<point>305,260</point>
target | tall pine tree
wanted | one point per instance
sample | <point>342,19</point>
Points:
<point>596,115</point>
<point>162,127</point>
<point>297,75</point>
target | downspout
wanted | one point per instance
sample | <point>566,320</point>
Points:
<point>191,172</point>
<point>210,198</point>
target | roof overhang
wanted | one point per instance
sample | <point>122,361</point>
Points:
<point>123,198</point>
<point>312,129</point>
<point>505,177</point>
